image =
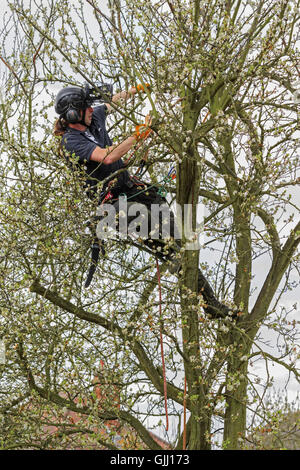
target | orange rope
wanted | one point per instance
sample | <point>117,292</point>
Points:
<point>205,117</point>
<point>162,348</point>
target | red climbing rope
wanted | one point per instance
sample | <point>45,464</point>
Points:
<point>162,347</point>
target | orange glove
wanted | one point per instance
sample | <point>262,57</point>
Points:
<point>141,87</point>
<point>140,133</point>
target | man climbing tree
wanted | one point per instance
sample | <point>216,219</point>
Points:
<point>86,140</point>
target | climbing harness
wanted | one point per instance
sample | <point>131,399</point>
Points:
<point>167,179</point>
<point>98,245</point>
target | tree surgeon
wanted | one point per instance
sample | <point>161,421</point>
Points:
<point>86,143</point>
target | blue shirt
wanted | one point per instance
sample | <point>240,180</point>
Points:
<point>81,144</point>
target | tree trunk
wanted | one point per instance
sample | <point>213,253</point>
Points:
<point>187,193</point>
<point>236,394</point>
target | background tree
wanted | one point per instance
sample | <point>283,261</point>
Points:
<point>224,106</point>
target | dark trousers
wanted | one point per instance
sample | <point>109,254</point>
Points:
<point>149,195</point>
<point>143,193</point>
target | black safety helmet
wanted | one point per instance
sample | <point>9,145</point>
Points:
<point>69,102</point>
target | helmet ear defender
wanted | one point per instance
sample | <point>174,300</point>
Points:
<point>72,115</point>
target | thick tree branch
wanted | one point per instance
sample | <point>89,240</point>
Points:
<point>276,272</point>
<point>84,410</point>
<point>271,229</point>
<point>145,363</point>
